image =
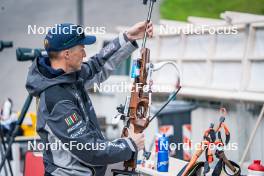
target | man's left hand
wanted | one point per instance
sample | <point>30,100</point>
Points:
<point>137,31</point>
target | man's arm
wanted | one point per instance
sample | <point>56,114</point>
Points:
<point>66,123</point>
<point>99,67</point>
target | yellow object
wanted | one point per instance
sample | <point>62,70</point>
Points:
<point>29,124</point>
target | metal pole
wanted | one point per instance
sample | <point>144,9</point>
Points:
<point>80,12</point>
<point>2,153</point>
<point>252,136</point>
<point>148,20</point>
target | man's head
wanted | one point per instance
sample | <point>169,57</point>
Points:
<point>64,44</point>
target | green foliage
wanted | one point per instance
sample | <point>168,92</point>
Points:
<point>181,9</point>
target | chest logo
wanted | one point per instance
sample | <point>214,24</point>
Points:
<point>71,119</point>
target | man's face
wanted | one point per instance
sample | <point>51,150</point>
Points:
<point>75,57</point>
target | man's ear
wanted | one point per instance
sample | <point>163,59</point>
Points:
<point>66,54</point>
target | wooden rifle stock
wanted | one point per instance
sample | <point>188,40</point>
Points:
<point>139,102</point>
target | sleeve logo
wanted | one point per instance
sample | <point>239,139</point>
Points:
<point>71,119</point>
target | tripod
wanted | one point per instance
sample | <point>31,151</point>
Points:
<point>3,45</point>
<point>23,54</point>
<point>15,131</point>
<point>3,149</point>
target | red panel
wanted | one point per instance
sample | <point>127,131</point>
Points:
<point>33,165</point>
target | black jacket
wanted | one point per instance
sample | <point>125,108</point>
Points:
<point>66,116</point>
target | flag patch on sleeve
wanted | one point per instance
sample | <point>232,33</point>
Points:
<point>71,119</point>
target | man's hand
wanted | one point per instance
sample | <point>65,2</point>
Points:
<point>137,31</point>
<point>138,138</point>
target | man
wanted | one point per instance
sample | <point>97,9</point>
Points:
<point>65,112</point>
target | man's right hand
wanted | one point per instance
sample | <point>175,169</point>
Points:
<point>138,138</point>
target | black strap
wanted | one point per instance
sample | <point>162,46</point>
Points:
<point>217,171</point>
<point>218,168</point>
<point>194,171</point>
<point>238,172</point>
<point>222,166</point>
